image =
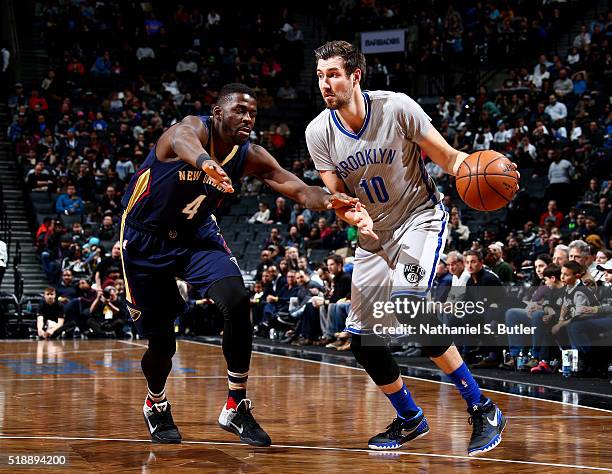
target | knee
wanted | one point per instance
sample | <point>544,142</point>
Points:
<point>435,351</point>
<point>231,298</point>
<point>376,360</point>
<point>162,347</point>
<point>537,316</point>
<point>512,315</point>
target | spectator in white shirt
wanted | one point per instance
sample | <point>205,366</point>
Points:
<point>573,57</point>
<point>483,139</point>
<point>560,174</point>
<point>502,136</point>
<point>526,147</point>
<point>583,38</point>
<point>539,75</point>
<point>262,216</point>
<point>564,85</point>
<point>213,19</point>
<point>541,60</point>
<point>456,265</point>
<point>3,259</point>
<point>145,52</point>
<point>575,131</point>
<point>557,110</point>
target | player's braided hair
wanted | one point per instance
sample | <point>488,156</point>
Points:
<point>352,57</point>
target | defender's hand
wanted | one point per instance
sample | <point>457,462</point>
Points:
<point>218,175</point>
<point>339,200</point>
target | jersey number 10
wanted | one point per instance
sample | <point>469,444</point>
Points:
<point>378,185</point>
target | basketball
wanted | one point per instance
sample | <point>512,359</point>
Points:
<point>487,180</point>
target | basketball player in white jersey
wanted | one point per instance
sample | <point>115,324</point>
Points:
<point>369,144</point>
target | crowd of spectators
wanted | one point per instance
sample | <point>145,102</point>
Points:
<point>83,131</point>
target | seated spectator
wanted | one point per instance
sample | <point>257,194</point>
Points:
<point>106,315</point>
<point>286,92</point>
<point>552,214</point>
<point>280,213</point>
<point>443,280</point>
<point>563,85</point>
<point>50,318</point>
<point>275,238</point>
<point>278,302</point>
<point>557,110</point>
<point>107,230</point>
<point>66,290</point>
<point>69,203</point>
<point>102,67</point>
<point>112,261</point>
<point>39,179</point>
<point>337,237</point>
<point>75,262</point>
<point>262,216</point>
<point>576,298</point>
<point>333,322</point>
<point>459,234</point>
<point>497,264</point>
<point>111,201</point>
<point>585,328</point>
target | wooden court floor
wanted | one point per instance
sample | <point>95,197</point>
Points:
<point>83,399</point>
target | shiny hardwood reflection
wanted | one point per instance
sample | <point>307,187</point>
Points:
<point>83,399</point>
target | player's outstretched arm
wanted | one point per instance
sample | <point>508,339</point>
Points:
<point>263,166</point>
<point>185,140</point>
<point>440,152</point>
<point>444,155</point>
<point>355,215</point>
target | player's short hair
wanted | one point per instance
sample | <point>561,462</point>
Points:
<point>552,270</point>
<point>574,267</point>
<point>352,57</point>
<point>49,289</point>
<point>234,88</point>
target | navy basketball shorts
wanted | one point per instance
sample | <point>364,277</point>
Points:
<point>151,265</point>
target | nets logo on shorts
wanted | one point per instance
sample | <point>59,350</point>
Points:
<point>414,273</point>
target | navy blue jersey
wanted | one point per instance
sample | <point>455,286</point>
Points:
<point>176,197</point>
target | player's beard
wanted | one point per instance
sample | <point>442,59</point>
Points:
<point>227,130</point>
<point>339,100</point>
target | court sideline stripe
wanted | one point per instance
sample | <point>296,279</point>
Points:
<point>223,377</point>
<point>319,448</point>
<point>406,376</point>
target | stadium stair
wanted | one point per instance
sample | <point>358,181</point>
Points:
<point>11,182</point>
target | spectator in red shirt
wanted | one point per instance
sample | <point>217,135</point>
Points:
<point>324,229</point>
<point>36,99</point>
<point>552,213</point>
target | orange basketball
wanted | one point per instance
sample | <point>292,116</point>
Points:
<point>487,180</point>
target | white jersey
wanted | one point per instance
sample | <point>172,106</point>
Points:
<point>381,164</point>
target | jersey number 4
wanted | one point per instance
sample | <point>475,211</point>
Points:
<point>378,185</point>
<point>191,209</point>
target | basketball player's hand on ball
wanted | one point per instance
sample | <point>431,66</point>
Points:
<point>340,200</point>
<point>218,175</point>
<point>359,217</point>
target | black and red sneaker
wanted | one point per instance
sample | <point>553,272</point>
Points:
<point>160,424</point>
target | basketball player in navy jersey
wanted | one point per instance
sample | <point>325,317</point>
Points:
<point>168,230</point>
